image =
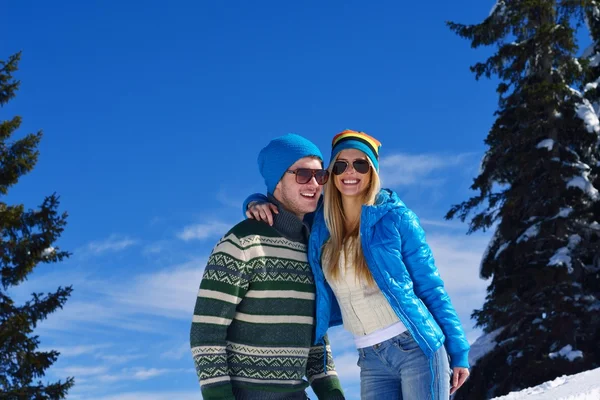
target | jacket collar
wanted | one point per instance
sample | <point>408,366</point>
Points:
<point>386,201</point>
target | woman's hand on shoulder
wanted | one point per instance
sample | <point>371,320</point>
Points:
<point>262,211</point>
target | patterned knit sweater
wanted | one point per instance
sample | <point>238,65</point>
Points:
<point>253,323</point>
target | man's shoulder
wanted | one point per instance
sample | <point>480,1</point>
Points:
<point>251,233</point>
<point>252,227</point>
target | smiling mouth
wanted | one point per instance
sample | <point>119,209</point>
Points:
<point>308,195</point>
<point>350,182</point>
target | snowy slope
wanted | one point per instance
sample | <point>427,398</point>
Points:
<point>583,386</point>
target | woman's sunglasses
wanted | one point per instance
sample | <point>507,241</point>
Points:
<point>361,166</point>
<point>304,175</point>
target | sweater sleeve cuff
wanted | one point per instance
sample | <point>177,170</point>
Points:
<point>328,388</point>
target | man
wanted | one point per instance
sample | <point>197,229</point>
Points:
<point>253,324</point>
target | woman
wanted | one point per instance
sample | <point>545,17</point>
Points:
<point>375,273</point>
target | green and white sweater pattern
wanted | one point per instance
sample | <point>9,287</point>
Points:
<point>253,323</point>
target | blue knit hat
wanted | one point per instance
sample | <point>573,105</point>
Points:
<point>350,139</point>
<point>280,154</point>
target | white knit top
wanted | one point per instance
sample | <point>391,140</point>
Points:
<point>366,312</point>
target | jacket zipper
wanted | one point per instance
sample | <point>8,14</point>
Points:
<point>388,293</point>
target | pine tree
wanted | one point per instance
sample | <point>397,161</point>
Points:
<point>26,241</point>
<point>537,190</point>
<point>592,57</point>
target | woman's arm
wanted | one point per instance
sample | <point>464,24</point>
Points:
<point>429,287</point>
<point>257,206</point>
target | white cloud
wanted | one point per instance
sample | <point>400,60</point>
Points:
<point>82,389</point>
<point>346,367</point>
<point>80,371</point>
<point>345,357</point>
<point>120,359</point>
<point>177,353</point>
<point>138,374</point>
<point>204,231</point>
<point>410,169</point>
<point>458,258</point>
<point>96,352</point>
<point>230,200</point>
<point>74,351</point>
<point>143,373</point>
<point>89,316</point>
<point>104,374</point>
<point>441,224</point>
<point>131,304</point>
<point>170,292</point>
<point>114,243</point>
<point>191,395</point>
<point>154,248</point>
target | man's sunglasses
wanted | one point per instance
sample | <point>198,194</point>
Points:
<point>361,166</point>
<point>304,175</point>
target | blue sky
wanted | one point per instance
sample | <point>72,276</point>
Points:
<point>153,117</point>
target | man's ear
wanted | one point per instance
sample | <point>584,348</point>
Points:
<point>277,191</point>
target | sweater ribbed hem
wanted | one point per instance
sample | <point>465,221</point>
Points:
<point>245,394</point>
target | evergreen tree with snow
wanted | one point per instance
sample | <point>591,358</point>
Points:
<point>538,190</point>
<point>592,57</point>
<point>26,240</point>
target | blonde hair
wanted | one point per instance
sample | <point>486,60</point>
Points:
<point>333,209</point>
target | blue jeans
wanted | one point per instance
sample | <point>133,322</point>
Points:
<point>398,369</point>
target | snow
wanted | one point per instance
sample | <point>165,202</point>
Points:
<point>575,92</point>
<point>585,111</point>
<point>590,86</point>
<point>581,182</point>
<point>563,255</point>
<point>48,251</point>
<point>567,352</point>
<point>500,6</point>
<point>489,246</point>
<point>532,231</point>
<point>582,386</point>
<point>500,250</point>
<point>546,143</point>
<point>574,240</point>
<point>483,345</point>
<point>564,212</point>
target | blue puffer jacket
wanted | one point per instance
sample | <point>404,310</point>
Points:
<point>402,265</point>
